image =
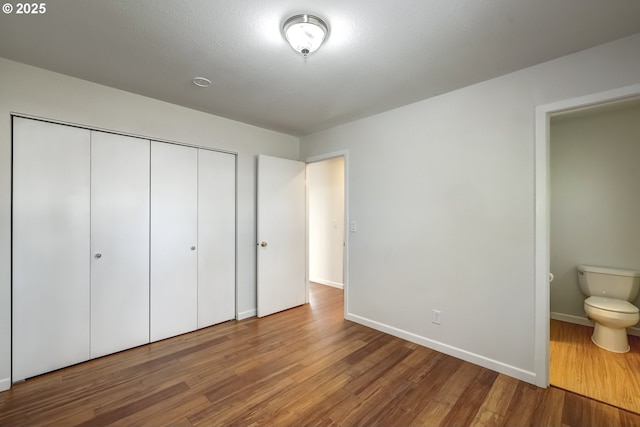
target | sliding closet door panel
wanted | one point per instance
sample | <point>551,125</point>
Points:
<point>119,242</point>
<point>216,237</point>
<point>51,226</point>
<point>174,233</point>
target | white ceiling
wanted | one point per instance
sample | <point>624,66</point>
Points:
<point>379,55</point>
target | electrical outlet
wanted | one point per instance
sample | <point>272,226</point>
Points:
<point>436,317</point>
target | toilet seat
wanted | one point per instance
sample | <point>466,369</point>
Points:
<point>611,304</point>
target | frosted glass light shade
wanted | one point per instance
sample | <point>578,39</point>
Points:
<point>305,33</point>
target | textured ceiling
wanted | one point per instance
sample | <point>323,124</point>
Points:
<point>379,55</point>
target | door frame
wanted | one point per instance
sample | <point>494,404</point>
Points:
<point>345,253</point>
<point>543,115</point>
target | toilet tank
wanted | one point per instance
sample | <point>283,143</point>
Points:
<point>610,282</point>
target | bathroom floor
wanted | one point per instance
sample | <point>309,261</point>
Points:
<point>582,367</point>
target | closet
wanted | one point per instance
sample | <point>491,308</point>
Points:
<point>116,241</point>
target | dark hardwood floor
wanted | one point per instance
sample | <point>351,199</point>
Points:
<point>303,367</point>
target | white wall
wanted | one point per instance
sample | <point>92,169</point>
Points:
<point>325,192</point>
<point>33,91</point>
<point>595,202</point>
<point>443,193</point>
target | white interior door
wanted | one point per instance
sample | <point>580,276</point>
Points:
<point>216,237</point>
<point>174,240</point>
<point>281,234</point>
<point>119,242</point>
<point>51,232</point>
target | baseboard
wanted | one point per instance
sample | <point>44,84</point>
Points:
<point>246,314</point>
<point>580,320</point>
<point>5,384</point>
<point>485,362</point>
<point>327,283</point>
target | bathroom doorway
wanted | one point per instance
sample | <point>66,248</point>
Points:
<point>594,155</point>
<point>593,176</point>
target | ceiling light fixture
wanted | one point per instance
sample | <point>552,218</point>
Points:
<point>201,81</point>
<point>305,33</point>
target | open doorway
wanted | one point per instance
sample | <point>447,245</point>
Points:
<point>594,176</point>
<point>325,190</point>
<point>326,222</point>
<point>283,233</point>
<point>545,115</point>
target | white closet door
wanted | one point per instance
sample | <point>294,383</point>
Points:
<point>51,229</point>
<point>174,225</point>
<point>119,242</point>
<point>216,237</point>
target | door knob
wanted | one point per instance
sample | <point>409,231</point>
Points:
<point>263,244</point>
<point>193,248</point>
<point>98,256</point>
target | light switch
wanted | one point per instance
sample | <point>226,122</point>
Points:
<point>353,226</point>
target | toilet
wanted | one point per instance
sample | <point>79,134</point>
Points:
<point>609,292</point>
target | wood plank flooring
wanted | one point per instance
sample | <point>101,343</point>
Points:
<point>303,367</point>
<point>582,367</point>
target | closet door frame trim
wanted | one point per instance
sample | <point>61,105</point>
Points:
<point>133,135</point>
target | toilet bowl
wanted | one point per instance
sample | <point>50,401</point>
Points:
<point>609,294</point>
<point>612,317</point>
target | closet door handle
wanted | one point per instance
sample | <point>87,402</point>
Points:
<point>193,248</point>
<point>98,255</point>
